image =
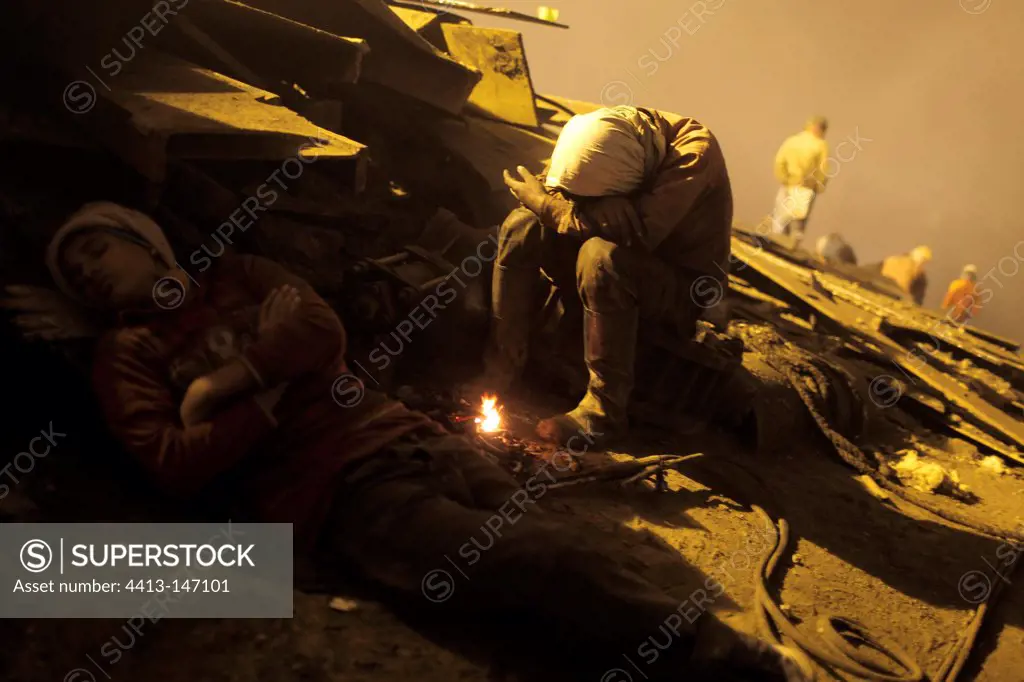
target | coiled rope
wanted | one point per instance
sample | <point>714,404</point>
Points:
<point>957,657</point>
<point>834,648</point>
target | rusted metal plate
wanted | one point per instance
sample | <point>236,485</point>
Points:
<point>417,19</point>
<point>922,407</point>
<point>937,333</point>
<point>491,147</point>
<point>505,91</point>
<point>866,276</point>
<point>832,304</point>
<point>318,61</point>
<point>426,23</point>
<point>164,108</point>
<point>995,339</point>
<point>908,324</point>
<point>399,58</point>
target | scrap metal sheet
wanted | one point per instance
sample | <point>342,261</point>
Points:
<point>165,108</point>
<point>399,58</point>
<point>317,60</point>
<point>864,324</point>
<point>505,91</point>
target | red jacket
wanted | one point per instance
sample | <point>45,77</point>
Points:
<point>281,473</point>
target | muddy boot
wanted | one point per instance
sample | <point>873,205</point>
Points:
<point>505,355</point>
<point>610,351</point>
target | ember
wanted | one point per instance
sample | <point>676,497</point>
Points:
<point>490,415</point>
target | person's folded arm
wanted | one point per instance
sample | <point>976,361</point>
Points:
<point>676,192</point>
<point>130,379</point>
<point>562,215</point>
<point>313,337</point>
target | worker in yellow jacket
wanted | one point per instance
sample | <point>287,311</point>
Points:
<point>800,166</point>
<point>961,302</point>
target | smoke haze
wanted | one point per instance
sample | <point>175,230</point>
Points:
<point>931,89</point>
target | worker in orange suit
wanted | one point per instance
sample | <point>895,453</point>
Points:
<point>961,302</point>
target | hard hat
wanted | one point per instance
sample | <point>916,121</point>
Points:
<point>970,270</point>
<point>922,254</point>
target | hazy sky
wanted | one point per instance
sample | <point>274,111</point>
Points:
<point>931,90</point>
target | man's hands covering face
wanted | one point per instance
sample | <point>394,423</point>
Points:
<point>614,219</point>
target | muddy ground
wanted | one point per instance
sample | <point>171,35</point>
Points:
<point>899,572</point>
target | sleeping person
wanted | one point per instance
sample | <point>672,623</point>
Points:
<point>222,387</point>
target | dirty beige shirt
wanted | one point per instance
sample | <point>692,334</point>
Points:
<point>801,162</point>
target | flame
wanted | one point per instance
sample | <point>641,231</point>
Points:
<point>490,419</point>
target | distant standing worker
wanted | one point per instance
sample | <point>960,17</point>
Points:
<point>907,270</point>
<point>800,168</point>
<point>961,301</point>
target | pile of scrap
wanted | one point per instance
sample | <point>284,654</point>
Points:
<point>381,131</point>
<point>374,117</point>
<point>246,80</point>
<point>392,112</point>
<point>956,380</point>
<point>343,129</point>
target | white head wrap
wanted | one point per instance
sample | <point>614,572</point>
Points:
<point>105,214</point>
<point>606,152</point>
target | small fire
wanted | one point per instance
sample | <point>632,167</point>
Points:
<point>490,415</point>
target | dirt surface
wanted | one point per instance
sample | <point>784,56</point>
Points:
<point>904,575</point>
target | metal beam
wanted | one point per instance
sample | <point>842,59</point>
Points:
<point>470,7</point>
<point>399,58</point>
<point>278,48</point>
<point>163,108</point>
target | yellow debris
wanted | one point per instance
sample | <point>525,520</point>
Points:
<point>994,465</point>
<point>928,477</point>
<point>547,13</point>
